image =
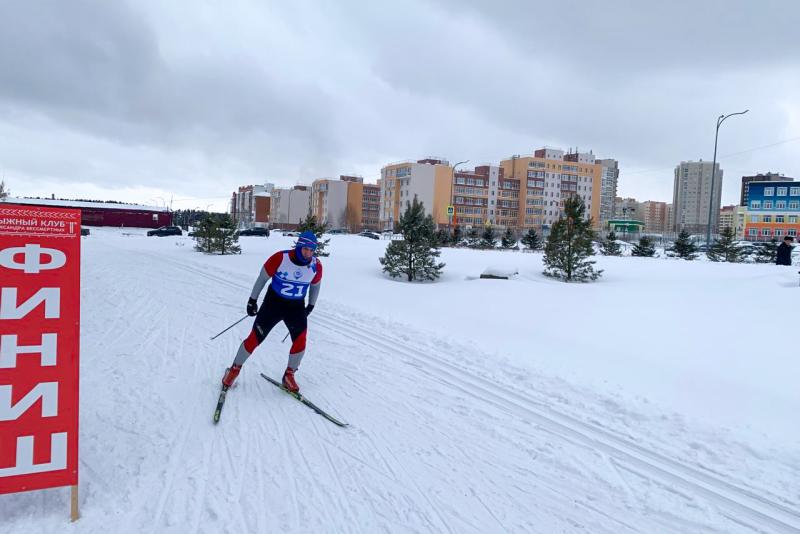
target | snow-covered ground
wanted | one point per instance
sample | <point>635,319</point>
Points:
<point>662,398</point>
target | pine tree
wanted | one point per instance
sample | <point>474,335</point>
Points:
<point>610,247</point>
<point>415,256</point>
<point>204,235</point>
<point>473,238</point>
<point>509,240</point>
<point>531,240</point>
<point>3,191</point>
<point>442,237</point>
<point>458,235</point>
<point>767,252</point>
<point>644,248</point>
<point>725,248</point>
<point>488,238</point>
<point>226,238</point>
<point>569,244</point>
<point>683,247</point>
<point>310,223</point>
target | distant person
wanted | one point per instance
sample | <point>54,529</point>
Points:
<point>785,251</point>
<point>295,273</point>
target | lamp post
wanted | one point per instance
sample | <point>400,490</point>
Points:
<point>453,189</point>
<point>720,120</point>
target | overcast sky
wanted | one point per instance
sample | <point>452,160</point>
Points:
<point>154,100</point>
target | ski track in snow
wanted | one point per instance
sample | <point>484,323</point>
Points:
<point>433,445</point>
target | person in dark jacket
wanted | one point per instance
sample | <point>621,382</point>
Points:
<point>785,251</point>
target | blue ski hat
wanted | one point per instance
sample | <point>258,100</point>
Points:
<point>306,240</point>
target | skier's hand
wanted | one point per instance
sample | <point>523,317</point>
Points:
<point>309,309</point>
<point>252,307</point>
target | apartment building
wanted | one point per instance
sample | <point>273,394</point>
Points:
<point>655,216</point>
<point>534,187</point>
<point>773,210</point>
<point>692,197</point>
<point>290,206</point>
<point>430,180</point>
<point>329,201</point>
<point>472,191</point>
<point>251,205</point>
<point>609,179</point>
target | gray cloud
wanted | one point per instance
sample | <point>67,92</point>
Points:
<point>197,98</point>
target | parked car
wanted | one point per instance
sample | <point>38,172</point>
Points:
<point>165,231</point>
<point>264,232</point>
<point>85,231</point>
<point>338,231</point>
<point>291,234</point>
<point>371,235</point>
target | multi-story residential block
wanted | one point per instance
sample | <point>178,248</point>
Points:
<point>727,218</point>
<point>692,197</point>
<point>773,210</point>
<point>290,206</point>
<point>609,178</point>
<point>655,216</point>
<point>471,193</point>
<point>430,180</point>
<point>540,183</point>
<point>329,202</point>
<point>251,205</point>
<point>628,209</point>
<point>766,177</point>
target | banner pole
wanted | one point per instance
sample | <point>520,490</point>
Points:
<point>74,513</point>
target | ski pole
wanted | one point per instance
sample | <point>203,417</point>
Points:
<point>284,337</point>
<point>231,326</point>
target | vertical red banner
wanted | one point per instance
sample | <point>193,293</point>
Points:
<point>40,252</point>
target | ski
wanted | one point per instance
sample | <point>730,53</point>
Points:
<point>220,402</point>
<point>305,401</point>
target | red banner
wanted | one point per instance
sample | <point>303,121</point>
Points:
<point>40,252</point>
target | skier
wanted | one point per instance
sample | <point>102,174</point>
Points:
<point>784,256</point>
<point>294,274</point>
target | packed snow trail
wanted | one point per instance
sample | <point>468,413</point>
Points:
<point>432,447</point>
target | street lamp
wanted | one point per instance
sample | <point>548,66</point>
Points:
<point>720,120</point>
<point>453,189</point>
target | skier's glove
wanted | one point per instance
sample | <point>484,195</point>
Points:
<point>309,309</point>
<point>252,307</point>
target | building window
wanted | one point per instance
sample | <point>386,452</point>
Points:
<point>794,191</point>
<point>779,219</point>
<point>792,232</point>
<point>781,192</point>
<point>780,204</point>
<point>794,205</point>
<point>754,218</point>
<point>767,204</point>
<point>767,218</point>
<point>755,204</point>
<point>769,191</point>
<point>792,219</point>
<point>753,232</point>
<point>765,231</point>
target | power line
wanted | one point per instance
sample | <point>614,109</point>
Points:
<point>746,151</point>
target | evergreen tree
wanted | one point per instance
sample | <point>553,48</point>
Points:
<point>570,244</point>
<point>489,237</point>
<point>509,240</point>
<point>3,191</point>
<point>473,238</point>
<point>767,252</point>
<point>415,256</point>
<point>310,223</point>
<point>458,235</point>
<point>644,248</point>
<point>610,247</point>
<point>532,240</point>
<point>683,247</point>
<point>442,237</point>
<point>226,237</point>
<point>725,248</point>
<point>204,235</point>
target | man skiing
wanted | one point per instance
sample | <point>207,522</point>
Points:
<point>295,273</point>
